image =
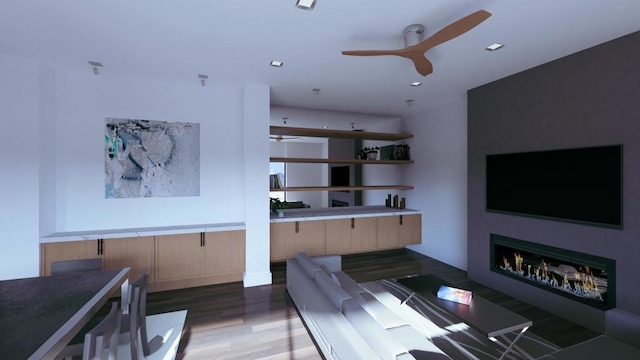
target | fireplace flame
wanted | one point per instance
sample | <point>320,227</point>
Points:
<point>583,283</point>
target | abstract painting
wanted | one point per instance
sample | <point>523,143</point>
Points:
<point>146,158</point>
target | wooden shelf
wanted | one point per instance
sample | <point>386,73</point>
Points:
<point>336,134</point>
<point>339,161</point>
<point>344,188</point>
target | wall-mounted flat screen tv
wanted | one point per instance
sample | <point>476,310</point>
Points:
<point>578,185</point>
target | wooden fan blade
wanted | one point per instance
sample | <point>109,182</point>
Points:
<point>452,30</point>
<point>422,64</point>
<point>371,52</point>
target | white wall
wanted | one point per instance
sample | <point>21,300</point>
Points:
<point>439,174</point>
<point>84,100</point>
<point>19,185</point>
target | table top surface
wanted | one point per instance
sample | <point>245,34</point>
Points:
<point>36,314</point>
<point>481,314</point>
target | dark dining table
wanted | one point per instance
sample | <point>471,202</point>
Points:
<point>40,315</point>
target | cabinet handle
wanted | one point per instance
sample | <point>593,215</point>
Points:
<point>100,246</point>
<point>400,219</point>
<point>353,223</point>
<point>297,227</point>
<point>202,244</point>
<point>98,243</point>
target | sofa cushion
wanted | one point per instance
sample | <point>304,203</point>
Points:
<point>383,315</point>
<point>347,283</point>
<point>373,333</point>
<point>307,264</point>
<point>331,290</point>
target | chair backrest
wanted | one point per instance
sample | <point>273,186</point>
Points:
<point>136,307</point>
<point>101,342</point>
<point>60,267</point>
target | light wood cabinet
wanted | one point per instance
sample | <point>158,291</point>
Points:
<point>399,230</point>
<point>67,250</point>
<point>195,259</point>
<point>225,252</point>
<point>172,261</point>
<point>344,236</point>
<point>135,253</point>
<point>410,230</point>
<point>289,238</point>
<point>179,256</point>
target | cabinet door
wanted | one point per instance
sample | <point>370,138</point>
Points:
<point>338,236</point>
<point>281,240</point>
<point>67,250</point>
<point>310,237</point>
<point>364,235</point>
<point>136,253</point>
<point>388,227</point>
<point>179,256</point>
<point>225,251</point>
<point>410,230</point>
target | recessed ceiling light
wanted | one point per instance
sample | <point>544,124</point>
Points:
<point>494,47</point>
<point>416,83</point>
<point>305,4</point>
<point>202,78</point>
<point>276,63</point>
<point>96,65</point>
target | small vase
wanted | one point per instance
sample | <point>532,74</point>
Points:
<point>280,213</point>
<point>372,155</point>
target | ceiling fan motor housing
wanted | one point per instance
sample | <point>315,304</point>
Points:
<point>413,34</point>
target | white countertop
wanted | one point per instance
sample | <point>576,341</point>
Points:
<point>345,212</point>
<point>135,232</point>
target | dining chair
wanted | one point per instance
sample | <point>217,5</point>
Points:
<point>133,329</point>
<point>101,342</point>
<point>66,266</point>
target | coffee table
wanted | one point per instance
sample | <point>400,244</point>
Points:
<point>492,320</point>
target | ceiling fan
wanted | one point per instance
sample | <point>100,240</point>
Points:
<point>415,51</point>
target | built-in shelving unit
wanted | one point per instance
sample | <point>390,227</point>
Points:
<point>344,188</point>
<point>339,161</point>
<point>339,134</point>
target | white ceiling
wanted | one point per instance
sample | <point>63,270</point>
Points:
<point>233,41</point>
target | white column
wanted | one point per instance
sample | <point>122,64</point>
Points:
<point>256,168</point>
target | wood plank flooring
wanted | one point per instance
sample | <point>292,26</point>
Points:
<point>229,321</point>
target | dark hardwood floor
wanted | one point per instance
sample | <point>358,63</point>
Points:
<point>229,321</point>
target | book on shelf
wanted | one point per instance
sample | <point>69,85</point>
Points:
<point>275,181</point>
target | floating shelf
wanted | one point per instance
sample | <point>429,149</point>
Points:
<point>339,161</point>
<point>344,188</point>
<point>337,134</point>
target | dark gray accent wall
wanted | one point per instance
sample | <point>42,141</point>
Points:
<point>589,98</point>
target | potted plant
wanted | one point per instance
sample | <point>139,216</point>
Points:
<point>369,152</point>
<point>278,206</point>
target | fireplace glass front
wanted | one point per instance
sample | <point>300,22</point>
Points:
<point>583,277</point>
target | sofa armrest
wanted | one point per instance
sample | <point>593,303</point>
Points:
<point>623,326</point>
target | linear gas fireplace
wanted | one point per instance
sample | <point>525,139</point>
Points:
<point>583,277</point>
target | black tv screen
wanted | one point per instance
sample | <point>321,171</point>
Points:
<point>578,185</point>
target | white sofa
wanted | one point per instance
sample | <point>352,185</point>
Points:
<point>345,320</point>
